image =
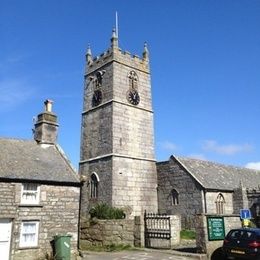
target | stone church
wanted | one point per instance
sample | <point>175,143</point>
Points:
<point>117,158</point>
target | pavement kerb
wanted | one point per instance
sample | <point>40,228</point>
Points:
<point>178,253</point>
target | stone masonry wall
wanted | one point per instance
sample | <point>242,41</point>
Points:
<point>57,213</point>
<point>134,171</point>
<point>240,199</point>
<point>96,133</point>
<point>172,176</point>
<point>134,186</point>
<point>253,196</point>
<point>8,207</point>
<point>98,232</point>
<point>103,166</point>
<point>211,198</point>
<point>107,232</point>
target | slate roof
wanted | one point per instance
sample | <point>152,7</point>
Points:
<point>26,160</point>
<point>213,175</point>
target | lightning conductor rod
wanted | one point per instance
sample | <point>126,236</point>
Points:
<point>116,25</point>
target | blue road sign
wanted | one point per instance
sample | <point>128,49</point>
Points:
<point>245,214</point>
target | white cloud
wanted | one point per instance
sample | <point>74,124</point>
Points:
<point>167,145</point>
<point>11,61</point>
<point>229,149</point>
<point>198,156</point>
<point>253,165</point>
<point>13,93</point>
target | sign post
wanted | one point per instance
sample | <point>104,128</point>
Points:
<point>216,228</point>
<point>245,215</point>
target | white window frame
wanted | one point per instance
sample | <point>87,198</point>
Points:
<point>33,243</point>
<point>30,192</point>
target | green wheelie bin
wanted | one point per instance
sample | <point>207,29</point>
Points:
<point>62,247</point>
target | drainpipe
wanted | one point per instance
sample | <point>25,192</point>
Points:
<point>203,195</point>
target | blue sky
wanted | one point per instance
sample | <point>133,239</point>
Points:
<point>205,65</point>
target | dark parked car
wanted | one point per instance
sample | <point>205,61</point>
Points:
<point>243,243</point>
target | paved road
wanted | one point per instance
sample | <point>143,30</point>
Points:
<point>135,255</point>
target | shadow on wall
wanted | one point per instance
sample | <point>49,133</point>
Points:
<point>217,254</point>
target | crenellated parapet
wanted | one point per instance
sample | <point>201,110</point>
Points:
<point>114,53</point>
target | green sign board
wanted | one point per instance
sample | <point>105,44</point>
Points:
<point>216,228</point>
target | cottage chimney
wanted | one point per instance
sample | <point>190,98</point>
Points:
<point>46,126</point>
<point>48,105</point>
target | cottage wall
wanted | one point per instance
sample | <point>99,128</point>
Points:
<point>172,176</point>
<point>7,200</point>
<point>57,213</point>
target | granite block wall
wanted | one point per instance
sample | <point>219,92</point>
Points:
<point>173,176</point>
<point>96,232</point>
<point>211,198</point>
<point>107,232</point>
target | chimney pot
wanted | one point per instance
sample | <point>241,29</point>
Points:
<point>48,105</point>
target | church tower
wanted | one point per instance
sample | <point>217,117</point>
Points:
<point>117,157</point>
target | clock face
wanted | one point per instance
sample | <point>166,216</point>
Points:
<point>97,98</point>
<point>133,97</point>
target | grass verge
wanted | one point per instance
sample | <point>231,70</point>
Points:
<point>187,234</point>
<point>106,248</point>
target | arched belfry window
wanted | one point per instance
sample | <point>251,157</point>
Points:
<point>174,197</point>
<point>220,204</point>
<point>94,180</point>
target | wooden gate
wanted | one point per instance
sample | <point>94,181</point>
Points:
<point>157,230</point>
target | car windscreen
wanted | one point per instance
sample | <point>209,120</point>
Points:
<point>242,234</point>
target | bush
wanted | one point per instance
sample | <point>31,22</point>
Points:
<point>187,234</point>
<point>104,211</point>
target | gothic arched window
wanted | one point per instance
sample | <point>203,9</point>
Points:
<point>94,185</point>
<point>220,204</point>
<point>174,197</point>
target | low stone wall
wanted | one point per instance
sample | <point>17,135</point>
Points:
<point>202,240</point>
<point>123,231</point>
<point>98,232</point>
